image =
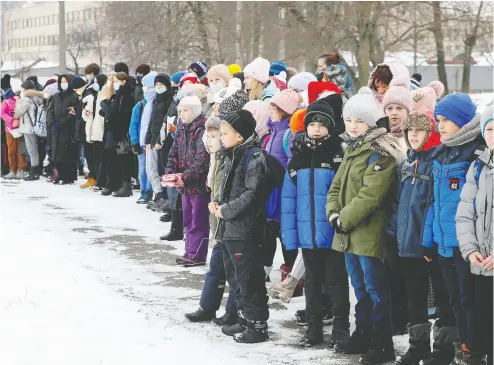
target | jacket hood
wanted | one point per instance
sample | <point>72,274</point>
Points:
<point>33,93</point>
<point>8,94</point>
<point>399,71</point>
<point>383,143</point>
<point>59,82</point>
<point>486,157</point>
<point>423,120</point>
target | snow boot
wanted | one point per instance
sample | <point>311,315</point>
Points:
<point>124,192</point>
<point>200,315</point>
<point>33,174</point>
<point>156,199</point>
<point>256,331</point>
<point>166,217</point>
<point>299,290</point>
<point>177,227</point>
<point>283,290</point>
<point>20,175</point>
<point>313,336</point>
<point>160,206</point>
<point>340,334</point>
<point>420,348</point>
<point>327,318</point>
<point>443,351</point>
<point>226,320</point>
<point>10,176</point>
<point>381,348</point>
<point>89,183</point>
<point>193,262</point>
<point>358,343</point>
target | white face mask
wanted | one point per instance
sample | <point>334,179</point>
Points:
<point>116,85</point>
<point>216,87</point>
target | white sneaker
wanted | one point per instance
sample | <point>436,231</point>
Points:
<point>9,176</point>
<point>20,175</point>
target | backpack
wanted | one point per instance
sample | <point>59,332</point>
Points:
<point>39,124</point>
<point>275,176</point>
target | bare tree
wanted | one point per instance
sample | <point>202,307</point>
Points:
<point>78,40</point>
<point>469,41</point>
<point>438,35</point>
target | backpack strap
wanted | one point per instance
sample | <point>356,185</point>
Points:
<point>247,155</point>
<point>286,140</point>
<point>478,164</point>
<point>35,112</point>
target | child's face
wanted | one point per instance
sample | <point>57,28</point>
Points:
<point>229,136</point>
<point>396,113</point>
<point>187,82</point>
<point>275,113</point>
<point>416,137</point>
<point>317,130</point>
<point>185,114</point>
<point>381,87</point>
<point>355,127</point>
<point>249,82</point>
<point>446,127</point>
<point>215,79</point>
<point>489,135</point>
<point>213,140</point>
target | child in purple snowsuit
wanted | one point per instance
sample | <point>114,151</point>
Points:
<point>189,158</point>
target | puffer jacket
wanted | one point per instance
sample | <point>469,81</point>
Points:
<point>275,144</point>
<point>8,110</point>
<point>408,217</point>
<point>215,183</point>
<point>189,157</point>
<point>306,185</point>
<point>242,195</point>
<point>161,104</point>
<point>475,212</point>
<point>26,108</point>
<point>135,121</point>
<point>95,123</point>
<point>361,193</point>
<point>450,167</point>
<point>118,111</point>
<point>146,117</point>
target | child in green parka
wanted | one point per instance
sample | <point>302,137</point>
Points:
<point>357,206</point>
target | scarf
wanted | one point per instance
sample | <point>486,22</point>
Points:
<point>397,130</point>
<point>352,142</point>
<point>312,143</point>
<point>466,134</point>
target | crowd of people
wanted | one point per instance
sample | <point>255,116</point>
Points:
<point>389,189</point>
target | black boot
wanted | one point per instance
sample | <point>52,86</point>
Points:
<point>200,315</point>
<point>358,343</point>
<point>166,217</point>
<point>443,351</point>
<point>33,174</point>
<point>156,200</point>
<point>177,228</point>
<point>226,320</point>
<point>313,336</point>
<point>381,349</point>
<point>106,192</point>
<point>256,331</point>
<point>233,329</point>
<point>340,334</point>
<point>124,192</point>
<point>420,348</point>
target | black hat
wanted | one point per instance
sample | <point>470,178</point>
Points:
<point>164,79</point>
<point>28,85</point>
<point>121,67</point>
<point>6,82</point>
<point>33,79</point>
<point>243,122</point>
<point>101,80</point>
<point>77,82</point>
<point>417,77</point>
<point>143,69</point>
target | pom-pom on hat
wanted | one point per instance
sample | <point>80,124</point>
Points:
<point>276,68</point>
<point>300,81</point>
<point>316,88</point>
<point>426,97</point>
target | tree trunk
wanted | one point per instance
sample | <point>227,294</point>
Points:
<point>256,30</point>
<point>282,44</point>
<point>470,41</point>
<point>438,36</point>
<point>364,23</point>
<point>198,11</point>
<point>238,34</point>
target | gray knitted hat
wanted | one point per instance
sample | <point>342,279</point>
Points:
<point>233,103</point>
<point>362,106</point>
<point>213,122</point>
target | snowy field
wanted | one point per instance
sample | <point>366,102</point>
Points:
<point>86,281</point>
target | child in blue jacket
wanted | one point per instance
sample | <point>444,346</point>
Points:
<point>461,143</point>
<point>406,225</point>
<point>317,155</point>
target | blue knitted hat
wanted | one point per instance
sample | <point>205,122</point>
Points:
<point>276,68</point>
<point>458,108</point>
<point>177,76</point>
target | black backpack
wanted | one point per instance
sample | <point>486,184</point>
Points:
<point>276,171</point>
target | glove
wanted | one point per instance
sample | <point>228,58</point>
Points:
<point>136,148</point>
<point>429,252</point>
<point>335,222</point>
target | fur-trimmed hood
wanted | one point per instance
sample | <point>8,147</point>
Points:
<point>32,93</point>
<point>381,142</point>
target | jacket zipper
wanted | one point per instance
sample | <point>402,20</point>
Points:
<point>312,208</point>
<point>223,189</point>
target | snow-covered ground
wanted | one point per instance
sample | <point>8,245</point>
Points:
<point>84,280</point>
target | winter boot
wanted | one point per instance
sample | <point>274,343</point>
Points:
<point>166,217</point>
<point>33,174</point>
<point>177,228</point>
<point>226,320</point>
<point>9,176</point>
<point>20,175</point>
<point>106,192</point>
<point>89,183</point>
<point>340,335</point>
<point>160,206</point>
<point>420,348</point>
<point>381,348</point>
<point>327,317</point>
<point>298,290</point>
<point>200,315</point>
<point>313,336</point>
<point>256,331</point>
<point>193,262</point>
<point>81,169</point>
<point>358,343</point>
<point>283,290</point>
<point>158,197</point>
<point>443,351</point>
<point>124,192</point>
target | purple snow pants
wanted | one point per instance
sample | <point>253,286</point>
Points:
<point>196,226</point>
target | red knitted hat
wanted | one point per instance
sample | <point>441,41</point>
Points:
<point>316,88</point>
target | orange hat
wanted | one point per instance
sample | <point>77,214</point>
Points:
<point>297,121</point>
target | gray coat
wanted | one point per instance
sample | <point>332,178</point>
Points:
<point>25,109</point>
<point>474,224</point>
